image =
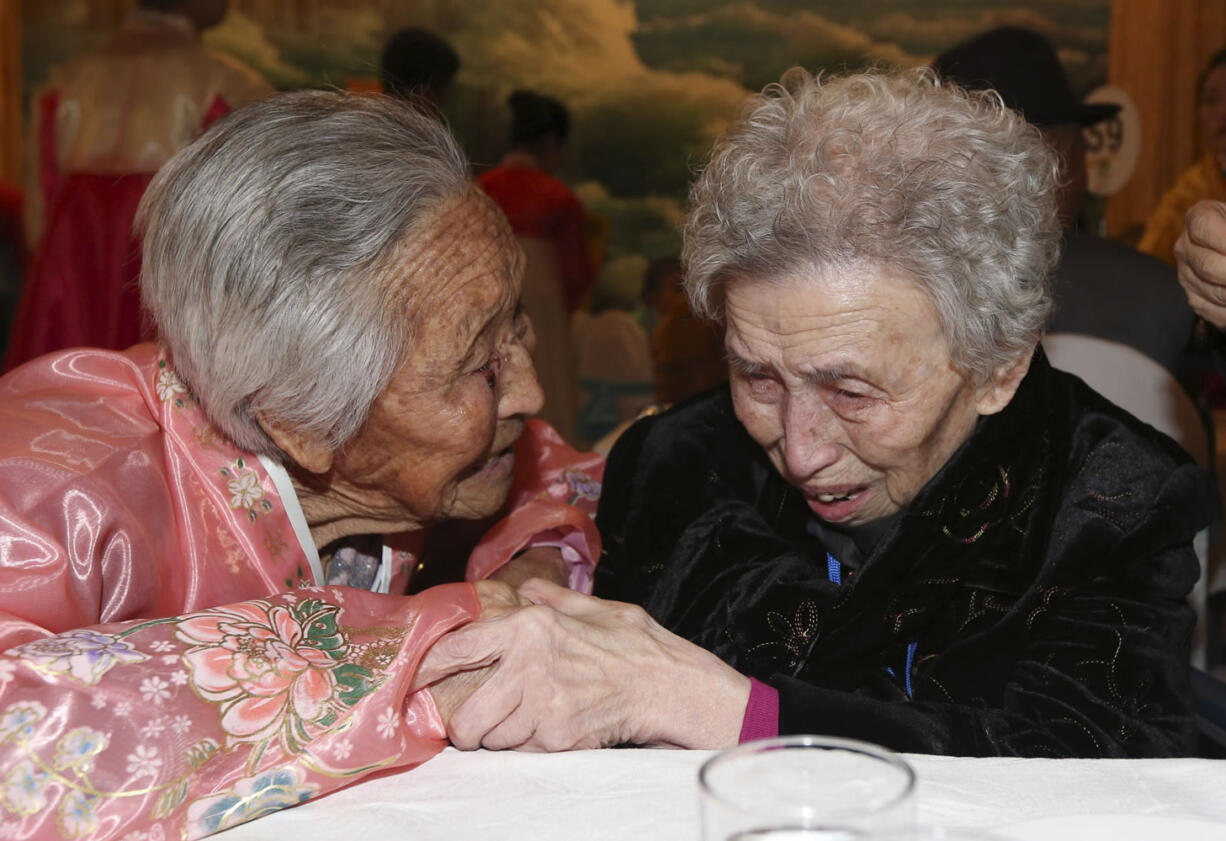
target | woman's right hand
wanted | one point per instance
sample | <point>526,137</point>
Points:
<point>579,672</point>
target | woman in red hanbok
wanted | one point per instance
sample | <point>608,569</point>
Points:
<point>103,125</point>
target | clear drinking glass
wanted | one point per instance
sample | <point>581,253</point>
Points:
<point>804,788</point>
<point>929,833</point>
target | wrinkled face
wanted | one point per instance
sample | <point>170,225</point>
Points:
<point>844,377</point>
<point>438,443</point>
<point>1213,111</point>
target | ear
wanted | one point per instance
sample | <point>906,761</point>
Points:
<point>996,393</point>
<point>307,450</point>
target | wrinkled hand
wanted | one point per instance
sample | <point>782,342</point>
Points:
<point>497,599</point>
<point>538,562</point>
<point>577,672</point>
<point>1201,256</point>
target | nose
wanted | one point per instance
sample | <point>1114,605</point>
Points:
<point>521,390</point>
<point>809,444</point>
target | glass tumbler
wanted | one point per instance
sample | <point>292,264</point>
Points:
<point>804,788</point>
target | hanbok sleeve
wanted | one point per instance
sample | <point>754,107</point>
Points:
<point>183,726</point>
<point>552,503</point>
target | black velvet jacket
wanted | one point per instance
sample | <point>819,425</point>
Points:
<point>1041,576</point>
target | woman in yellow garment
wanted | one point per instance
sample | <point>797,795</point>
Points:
<point>1206,179</point>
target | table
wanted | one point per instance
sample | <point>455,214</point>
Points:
<point>651,795</point>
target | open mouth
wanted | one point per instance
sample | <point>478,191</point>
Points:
<point>836,497</point>
<point>838,506</point>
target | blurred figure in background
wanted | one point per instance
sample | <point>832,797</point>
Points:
<point>537,203</point>
<point>687,353</point>
<point>1205,179</point>
<point>419,66</point>
<point>549,222</point>
<point>661,289</point>
<point>614,359</point>
<point>102,126</point>
<point>1102,288</point>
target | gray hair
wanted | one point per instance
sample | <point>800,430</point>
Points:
<point>270,246</point>
<point>893,169</point>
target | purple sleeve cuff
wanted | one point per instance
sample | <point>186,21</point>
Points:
<point>761,713</point>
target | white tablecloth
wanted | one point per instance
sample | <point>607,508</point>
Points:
<point>647,795</point>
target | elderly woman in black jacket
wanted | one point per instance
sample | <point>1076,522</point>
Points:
<point>899,523</point>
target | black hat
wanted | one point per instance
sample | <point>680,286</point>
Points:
<point>1023,68</point>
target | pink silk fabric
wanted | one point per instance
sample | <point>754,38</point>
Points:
<point>168,668</point>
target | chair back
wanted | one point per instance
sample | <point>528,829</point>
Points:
<point>1133,381</point>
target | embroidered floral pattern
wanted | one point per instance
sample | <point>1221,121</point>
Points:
<point>85,656</point>
<point>276,671</point>
<point>572,486</point>
<point>246,492</point>
<point>77,748</point>
<point>76,815</point>
<point>169,386</point>
<point>795,633</point>
<point>19,719</point>
<point>250,798</point>
<point>24,790</point>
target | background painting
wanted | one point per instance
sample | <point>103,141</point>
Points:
<point>649,83</point>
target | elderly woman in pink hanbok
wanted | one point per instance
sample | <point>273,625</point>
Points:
<point>206,545</point>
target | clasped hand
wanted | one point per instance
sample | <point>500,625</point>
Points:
<point>546,669</point>
<point>1201,257</point>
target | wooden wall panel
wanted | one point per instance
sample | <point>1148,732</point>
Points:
<point>1156,51</point>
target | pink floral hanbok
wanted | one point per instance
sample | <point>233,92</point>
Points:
<point>171,666</point>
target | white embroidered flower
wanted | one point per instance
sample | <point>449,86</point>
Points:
<point>154,727</point>
<point>76,814</point>
<point>154,690</point>
<point>342,749</point>
<point>178,678</point>
<point>123,709</point>
<point>7,668</point>
<point>78,747</point>
<point>161,645</point>
<point>169,386</point>
<point>244,490</point>
<point>170,659</point>
<point>24,786</point>
<point>98,702</point>
<point>144,762</point>
<point>19,719</point>
<point>387,723</point>
<point>181,724</point>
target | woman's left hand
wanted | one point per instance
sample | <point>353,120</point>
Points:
<point>577,672</point>
<point>497,599</point>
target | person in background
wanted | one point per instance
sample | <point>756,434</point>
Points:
<point>418,66</point>
<point>208,541</point>
<point>687,353</point>
<point>613,358</point>
<point>1200,254</point>
<point>537,203</point>
<point>102,125</point>
<point>899,524</point>
<point>1101,287</point>
<point>1206,179</point>
<point>661,290</point>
